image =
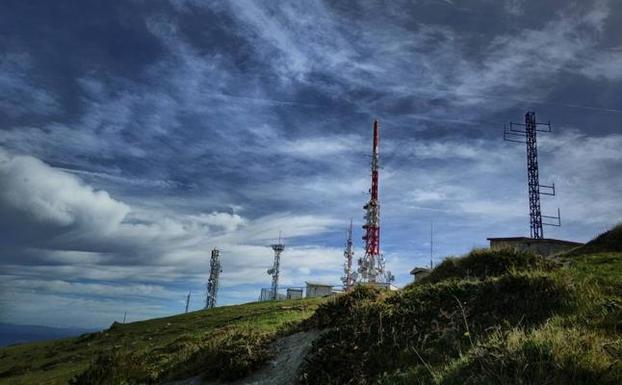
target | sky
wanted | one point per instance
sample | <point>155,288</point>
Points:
<point>136,135</point>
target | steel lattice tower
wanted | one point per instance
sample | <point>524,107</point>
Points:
<point>371,266</point>
<point>274,271</point>
<point>212,282</point>
<point>349,276</point>
<point>528,135</point>
<point>533,179</point>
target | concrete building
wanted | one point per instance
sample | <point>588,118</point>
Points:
<point>294,293</point>
<point>544,247</point>
<point>316,289</point>
<point>419,272</point>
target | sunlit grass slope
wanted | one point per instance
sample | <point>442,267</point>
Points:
<point>490,317</point>
<point>218,343</point>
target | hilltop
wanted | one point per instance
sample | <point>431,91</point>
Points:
<point>490,317</point>
<point>222,343</point>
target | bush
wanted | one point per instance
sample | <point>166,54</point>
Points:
<point>548,355</point>
<point>227,355</point>
<point>337,310</point>
<point>433,323</point>
<point>115,367</point>
<point>483,263</point>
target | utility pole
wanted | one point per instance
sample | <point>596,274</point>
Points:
<point>188,301</point>
<point>371,265</point>
<point>274,271</point>
<point>349,276</point>
<point>528,135</point>
<point>213,281</point>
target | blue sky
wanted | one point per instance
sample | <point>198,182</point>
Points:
<point>135,136</point>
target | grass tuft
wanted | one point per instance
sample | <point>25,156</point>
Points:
<point>429,325</point>
<point>483,263</point>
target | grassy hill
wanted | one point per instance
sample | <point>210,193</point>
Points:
<point>490,317</point>
<point>609,241</point>
<point>224,342</point>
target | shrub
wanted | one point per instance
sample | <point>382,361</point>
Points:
<point>547,355</point>
<point>340,307</point>
<point>115,367</point>
<point>433,323</point>
<point>483,263</point>
<point>227,355</point>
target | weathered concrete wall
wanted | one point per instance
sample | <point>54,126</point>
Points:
<point>419,275</point>
<point>318,291</point>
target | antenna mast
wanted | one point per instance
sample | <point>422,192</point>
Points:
<point>349,276</point>
<point>212,282</point>
<point>371,266</point>
<point>527,135</point>
<point>274,271</point>
<point>188,301</point>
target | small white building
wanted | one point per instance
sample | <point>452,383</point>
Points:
<point>316,289</point>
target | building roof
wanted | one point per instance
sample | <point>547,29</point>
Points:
<point>547,240</point>
<point>318,284</point>
<point>419,270</point>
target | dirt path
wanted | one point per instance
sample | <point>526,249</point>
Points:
<point>282,370</point>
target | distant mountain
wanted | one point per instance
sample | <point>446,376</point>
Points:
<point>14,334</point>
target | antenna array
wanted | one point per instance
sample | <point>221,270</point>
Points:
<point>274,271</point>
<point>212,282</point>
<point>349,276</point>
<point>528,135</point>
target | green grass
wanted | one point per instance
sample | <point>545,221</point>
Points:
<point>431,323</point>
<point>491,317</point>
<point>176,346</point>
<point>483,263</point>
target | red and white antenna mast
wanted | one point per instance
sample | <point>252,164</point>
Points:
<point>371,266</point>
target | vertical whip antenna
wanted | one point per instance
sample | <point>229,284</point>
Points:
<point>528,135</point>
<point>212,282</point>
<point>349,276</point>
<point>274,271</point>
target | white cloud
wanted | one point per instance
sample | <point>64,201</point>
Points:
<point>227,222</point>
<point>48,196</point>
<point>100,247</point>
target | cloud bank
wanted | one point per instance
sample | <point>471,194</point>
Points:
<point>138,136</point>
